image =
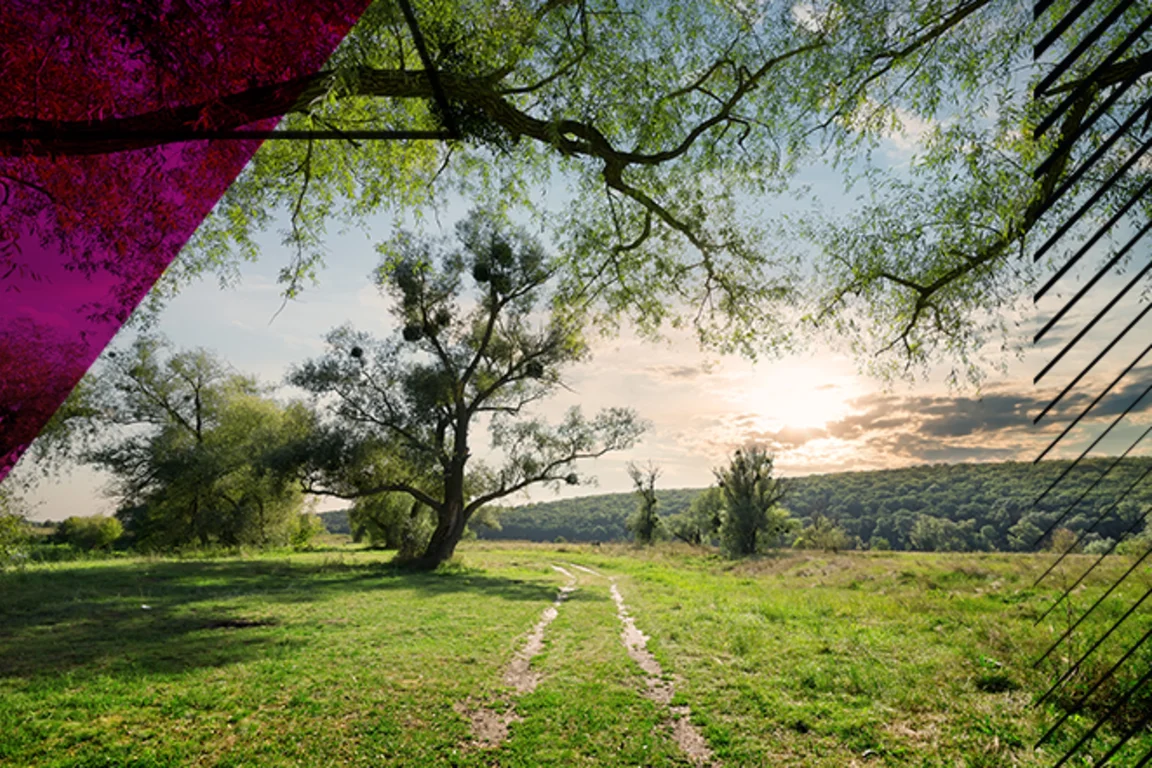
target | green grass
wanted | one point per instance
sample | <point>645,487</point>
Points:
<point>335,658</point>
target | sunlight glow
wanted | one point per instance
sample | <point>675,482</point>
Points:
<point>796,397</point>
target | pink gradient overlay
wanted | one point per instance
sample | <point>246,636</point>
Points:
<point>84,237</point>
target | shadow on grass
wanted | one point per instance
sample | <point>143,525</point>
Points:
<point>170,616</point>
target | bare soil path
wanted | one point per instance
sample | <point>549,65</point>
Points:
<point>491,722</point>
<point>490,725</point>
<point>660,689</point>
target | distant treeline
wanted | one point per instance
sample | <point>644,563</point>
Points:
<point>931,507</point>
<point>336,521</point>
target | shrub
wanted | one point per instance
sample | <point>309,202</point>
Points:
<point>88,534</point>
<point>823,533</point>
<point>13,531</point>
<point>308,527</point>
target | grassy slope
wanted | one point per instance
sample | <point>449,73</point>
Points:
<point>806,660</point>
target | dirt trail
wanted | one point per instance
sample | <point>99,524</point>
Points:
<point>661,691</point>
<point>518,674</point>
<point>490,727</point>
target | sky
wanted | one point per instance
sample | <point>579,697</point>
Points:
<point>816,410</point>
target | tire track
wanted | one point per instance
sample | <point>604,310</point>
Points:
<point>519,675</point>
<point>489,726</point>
<point>687,736</point>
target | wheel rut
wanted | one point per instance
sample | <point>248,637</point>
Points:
<point>491,722</point>
<point>661,690</point>
<point>490,726</point>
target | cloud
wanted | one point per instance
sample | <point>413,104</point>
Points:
<point>678,372</point>
<point>913,131</point>
<point>785,438</point>
<point>808,17</point>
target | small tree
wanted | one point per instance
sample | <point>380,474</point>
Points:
<point>751,495</point>
<point>1063,540</point>
<point>699,523</point>
<point>184,437</point>
<point>305,528</point>
<point>879,543</point>
<point>644,522</point>
<point>822,533</point>
<point>403,409</point>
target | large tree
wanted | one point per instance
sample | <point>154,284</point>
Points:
<point>404,408</point>
<point>182,435</point>
<point>675,124</point>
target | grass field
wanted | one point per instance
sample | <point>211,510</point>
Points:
<point>333,658</point>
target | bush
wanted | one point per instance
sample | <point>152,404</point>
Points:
<point>88,534</point>
<point>1135,546</point>
<point>1063,540</point>
<point>13,532</point>
<point>1099,546</point>
<point>308,527</point>
<point>823,533</point>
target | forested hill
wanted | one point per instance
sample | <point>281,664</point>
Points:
<point>588,518</point>
<point>928,507</point>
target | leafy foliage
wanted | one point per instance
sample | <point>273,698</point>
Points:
<point>88,533</point>
<point>751,519</point>
<point>185,439</point>
<point>403,409</point>
<point>700,522</point>
<point>663,118</point>
<point>822,533</point>
<point>644,524</point>
<point>13,529</point>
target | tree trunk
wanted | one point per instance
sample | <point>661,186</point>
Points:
<point>450,519</point>
<point>443,543</point>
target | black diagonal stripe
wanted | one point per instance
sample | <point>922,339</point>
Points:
<point>1062,25</point>
<point>1090,365</point>
<point>1081,90</point>
<point>1067,510</point>
<point>1084,413</point>
<point>1099,641</point>
<point>1079,703</point>
<point>1100,273</point>
<point>1064,595</point>
<point>1144,760</point>
<point>1095,95</point>
<point>1124,740</point>
<point>1085,43</point>
<point>1086,125</point>
<point>1088,327</point>
<point>1111,181</point>
<point>1103,719</point>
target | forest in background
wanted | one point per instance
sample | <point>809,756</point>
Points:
<point>937,507</point>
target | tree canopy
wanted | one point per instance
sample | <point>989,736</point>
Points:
<point>677,125</point>
<point>751,519</point>
<point>184,437</point>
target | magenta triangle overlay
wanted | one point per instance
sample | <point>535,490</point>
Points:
<point>83,238</point>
